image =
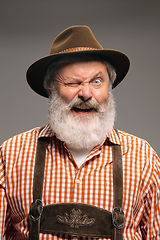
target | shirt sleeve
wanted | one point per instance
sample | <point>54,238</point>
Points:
<point>150,223</point>
<point>3,200</point>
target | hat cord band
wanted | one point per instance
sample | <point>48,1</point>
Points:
<point>77,49</point>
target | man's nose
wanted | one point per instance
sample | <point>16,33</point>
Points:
<point>85,91</point>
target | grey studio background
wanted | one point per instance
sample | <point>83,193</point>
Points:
<point>27,31</point>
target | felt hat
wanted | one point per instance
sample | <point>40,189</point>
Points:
<point>73,40</point>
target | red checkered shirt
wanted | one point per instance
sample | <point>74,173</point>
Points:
<point>90,184</point>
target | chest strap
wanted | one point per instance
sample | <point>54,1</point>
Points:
<point>76,219</point>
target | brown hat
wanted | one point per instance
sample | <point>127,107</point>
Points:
<point>76,39</point>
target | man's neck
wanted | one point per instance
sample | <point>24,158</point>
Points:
<point>79,155</point>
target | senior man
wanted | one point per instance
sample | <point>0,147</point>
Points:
<point>74,159</point>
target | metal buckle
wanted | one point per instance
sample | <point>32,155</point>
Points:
<point>117,209</point>
<point>31,217</point>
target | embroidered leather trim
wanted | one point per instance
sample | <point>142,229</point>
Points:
<point>75,219</point>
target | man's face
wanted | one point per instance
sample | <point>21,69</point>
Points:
<point>81,105</point>
<point>85,81</point>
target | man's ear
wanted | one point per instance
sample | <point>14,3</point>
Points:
<point>48,92</point>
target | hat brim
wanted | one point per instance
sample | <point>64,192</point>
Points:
<point>36,72</point>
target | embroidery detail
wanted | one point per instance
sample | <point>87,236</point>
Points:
<point>75,219</point>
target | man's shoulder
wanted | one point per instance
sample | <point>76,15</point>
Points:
<point>129,140</point>
<point>133,143</point>
<point>128,136</point>
<point>22,137</point>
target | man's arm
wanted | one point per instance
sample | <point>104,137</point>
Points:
<point>3,209</point>
<point>3,200</point>
<point>150,223</point>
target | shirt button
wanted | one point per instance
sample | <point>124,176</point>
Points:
<point>78,181</point>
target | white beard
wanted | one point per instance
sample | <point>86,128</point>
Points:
<point>81,132</point>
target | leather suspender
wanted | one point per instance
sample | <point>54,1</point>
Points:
<point>37,208</point>
<point>117,191</point>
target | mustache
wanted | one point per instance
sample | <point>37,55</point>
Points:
<point>85,104</point>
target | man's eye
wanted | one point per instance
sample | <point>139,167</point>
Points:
<point>70,84</point>
<point>97,81</point>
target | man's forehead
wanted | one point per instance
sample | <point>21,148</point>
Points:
<point>90,67</point>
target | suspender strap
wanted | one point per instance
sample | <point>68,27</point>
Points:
<point>118,214</point>
<point>36,207</point>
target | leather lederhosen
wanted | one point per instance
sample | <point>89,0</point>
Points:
<point>76,219</point>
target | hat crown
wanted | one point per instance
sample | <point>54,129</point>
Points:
<point>74,37</point>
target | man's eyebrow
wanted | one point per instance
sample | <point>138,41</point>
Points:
<point>93,77</point>
<point>97,74</point>
<point>61,78</point>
